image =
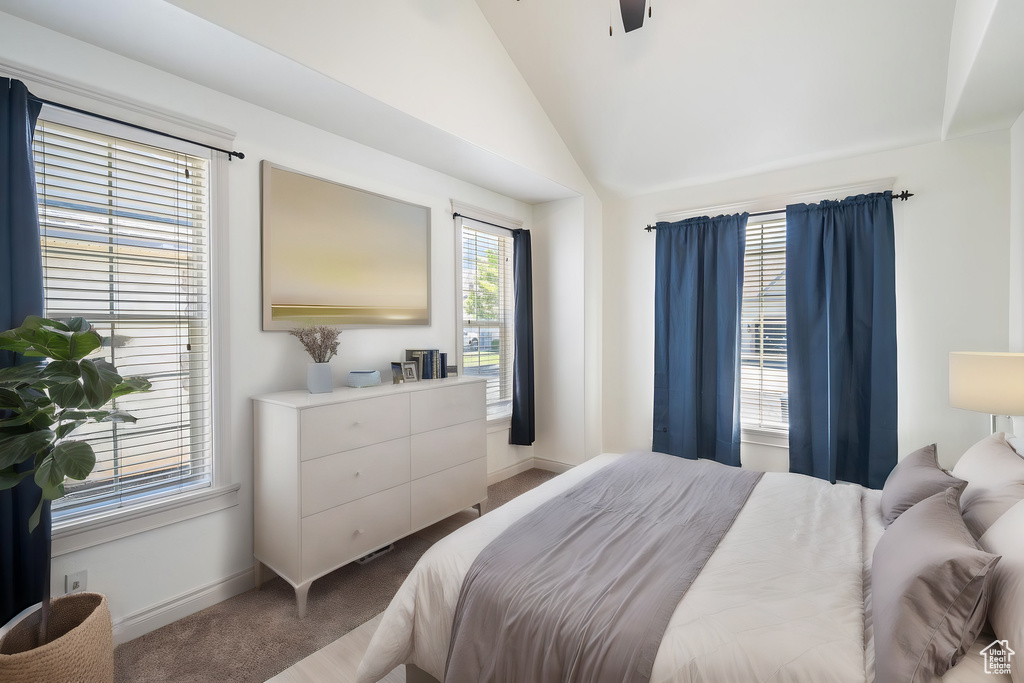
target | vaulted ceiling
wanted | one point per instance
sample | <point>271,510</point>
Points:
<point>710,89</point>
<point>706,90</point>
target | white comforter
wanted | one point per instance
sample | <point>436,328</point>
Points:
<point>781,599</point>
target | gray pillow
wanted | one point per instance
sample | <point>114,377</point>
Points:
<point>995,481</point>
<point>929,591</point>
<point>915,478</point>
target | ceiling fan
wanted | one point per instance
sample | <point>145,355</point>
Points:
<point>632,14</point>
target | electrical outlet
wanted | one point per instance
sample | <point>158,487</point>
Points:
<point>75,583</point>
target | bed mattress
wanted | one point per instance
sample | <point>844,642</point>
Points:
<point>784,597</point>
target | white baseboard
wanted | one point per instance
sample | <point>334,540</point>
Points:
<point>551,465</point>
<point>510,471</point>
<point>142,622</point>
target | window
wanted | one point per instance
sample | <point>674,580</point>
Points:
<point>764,402</point>
<point>124,229</point>
<point>487,312</point>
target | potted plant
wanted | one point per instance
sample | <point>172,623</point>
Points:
<point>42,403</point>
<point>321,343</point>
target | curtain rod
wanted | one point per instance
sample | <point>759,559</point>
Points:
<point>230,154</point>
<point>902,196</point>
<point>503,227</point>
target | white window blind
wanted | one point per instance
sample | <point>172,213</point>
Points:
<point>125,245</point>
<point>764,401</point>
<point>487,314</point>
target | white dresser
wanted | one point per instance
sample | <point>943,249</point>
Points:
<point>340,475</point>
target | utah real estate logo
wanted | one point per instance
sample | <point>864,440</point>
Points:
<point>997,657</point>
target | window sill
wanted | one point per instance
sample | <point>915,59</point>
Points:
<point>84,533</point>
<point>765,437</point>
<point>498,423</point>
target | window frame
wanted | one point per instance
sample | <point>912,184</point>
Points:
<point>760,433</point>
<point>500,230</point>
<point>85,530</point>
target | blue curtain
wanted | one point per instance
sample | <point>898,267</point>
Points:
<point>23,556</point>
<point>698,287</point>
<point>841,319</point>
<point>523,429</point>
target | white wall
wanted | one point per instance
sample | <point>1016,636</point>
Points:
<point>1017,237</point>
<point>559,323</point>
<point>188,562</point>
<point>438,61</point>
<point>952,279</point>
<point>1016,252</point>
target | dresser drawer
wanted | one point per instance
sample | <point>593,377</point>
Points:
<point>343,477</point>
<point>345,426</point>
<point>444,493</point>
<point>445,406</point>
<point>347,532</point>
<point>440,449</point>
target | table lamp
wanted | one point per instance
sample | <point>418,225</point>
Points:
<point>990,383</point>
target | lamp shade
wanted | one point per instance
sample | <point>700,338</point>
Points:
<point>987,382</point>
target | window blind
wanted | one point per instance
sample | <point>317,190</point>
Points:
<point>124,230</point>
<point>764,402</point>
<point>487,314</point>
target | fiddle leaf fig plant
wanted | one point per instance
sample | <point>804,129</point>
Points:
<point>42,403</point>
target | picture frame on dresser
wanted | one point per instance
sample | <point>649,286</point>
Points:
<point>410,373</point>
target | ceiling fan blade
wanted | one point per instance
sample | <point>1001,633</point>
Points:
<point>632,14</point>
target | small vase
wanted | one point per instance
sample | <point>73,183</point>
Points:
<point>319,379</point>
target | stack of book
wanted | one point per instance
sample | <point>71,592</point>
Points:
<point>430,363</point>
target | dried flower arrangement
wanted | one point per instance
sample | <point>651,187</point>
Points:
<point>320,341</point>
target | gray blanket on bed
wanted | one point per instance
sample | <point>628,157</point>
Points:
<point>581,589</point>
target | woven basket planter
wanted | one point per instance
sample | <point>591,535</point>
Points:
<point>80,647</point>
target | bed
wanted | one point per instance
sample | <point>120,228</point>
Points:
<point>785,596</point>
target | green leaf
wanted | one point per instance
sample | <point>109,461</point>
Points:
<point>11,400</point>
<point>95,382</point>
<point>20,447</point>
<point>43,419</point>
<point>81,344</point>
<point>96,415</point>
<point>49,472</point>
<point>78,324</point>
<point>56,345</point>
<point>49,493</point>
<point>21,374</point>
<point>33,521</point>
<point>9,478</point>
<point>34,322</point>
<point>131,385</point>
<point>66,428</point>
<point>108,373</point>
<point>74,458</point>
<point>119,416</point>
<point>11,341</point>
<point>20,418</point>
<point>62,371</point>
<point>70,395</point>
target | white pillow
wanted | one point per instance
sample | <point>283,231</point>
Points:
<point>1016,443</point>
<point>1006,605</point>
<point>995,481</point>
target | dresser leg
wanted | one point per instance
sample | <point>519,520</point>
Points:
<point>479,508</point>
<point>301,591</point>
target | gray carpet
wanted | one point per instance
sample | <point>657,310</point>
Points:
<point>256,635</point>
